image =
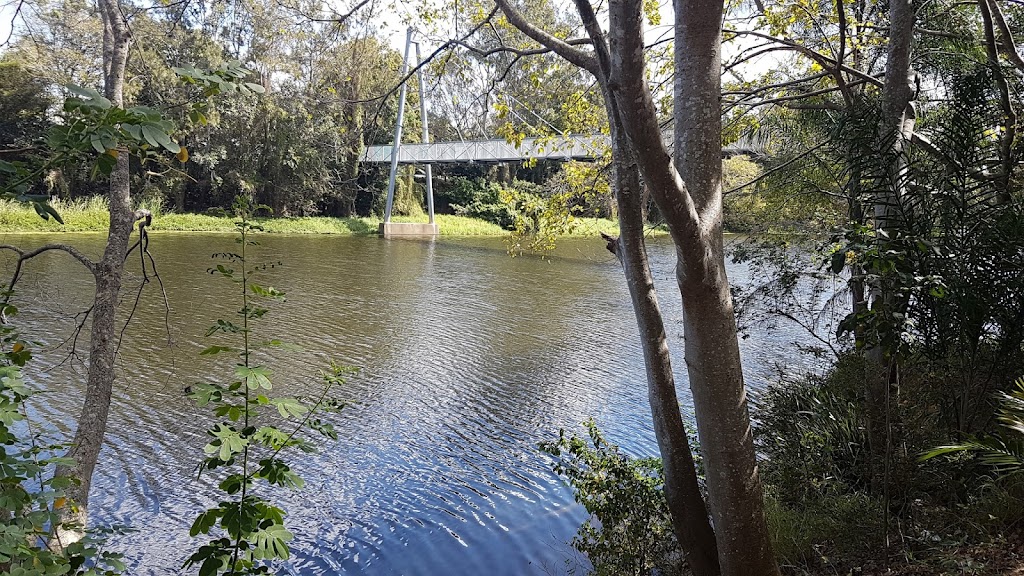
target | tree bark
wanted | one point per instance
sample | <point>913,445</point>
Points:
<point>682,490</point>
<point>712,349</point>
<point>92,423</point>
<point>895,131</point>
<point>691,202</point>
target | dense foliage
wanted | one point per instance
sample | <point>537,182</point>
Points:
<point>629,530</point>
<point>913,281</point>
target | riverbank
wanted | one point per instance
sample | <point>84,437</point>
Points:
<point>91,216</point>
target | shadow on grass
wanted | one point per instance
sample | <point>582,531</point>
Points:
<point>358,225</point>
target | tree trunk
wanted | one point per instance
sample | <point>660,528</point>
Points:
<point>691,202</point>
<point>92,423</point>
<point>695,223</point>
<point>896,130</point>
<point>709,324</point>
<point>682,491</point>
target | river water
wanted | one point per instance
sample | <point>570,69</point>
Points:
<point>468,358</point>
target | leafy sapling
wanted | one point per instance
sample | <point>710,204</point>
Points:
<point>247,531</point>
<point>629,530</point>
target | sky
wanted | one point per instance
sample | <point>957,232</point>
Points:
<point>7,9</point>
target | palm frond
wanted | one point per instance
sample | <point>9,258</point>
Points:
<point>1004,453</point>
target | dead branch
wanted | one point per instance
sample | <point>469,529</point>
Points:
<point>24,255</point>
<point>767,173</point>
<point>145,218</point>
<point>73,337</point>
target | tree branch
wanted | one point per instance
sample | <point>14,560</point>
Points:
<point>821,59</point>
<point>771,171</point>
<point>28,255</point>
<point>544,38</point>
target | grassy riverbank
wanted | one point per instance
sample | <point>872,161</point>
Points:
<point>91,216</point>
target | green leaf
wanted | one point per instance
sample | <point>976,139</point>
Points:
<point>228,442</point>
<point>159,134</point>
<point>204,394</point>
<point>133,130</point>
<point>145,112</point>
<point>97,144</point>
<point>290,407</point>
<point>150,134</point>
<point>838,262</point>
<point>204,522</point>
<point>254,378</point>
<point>272,542</point>
<point>86,93</point>
<point>48,211</point>
<point>105,163</point>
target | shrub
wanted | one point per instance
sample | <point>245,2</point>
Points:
<point>629,530</point>
<point>810,432</point>
<point>31,498</point>
<point>479,199</point>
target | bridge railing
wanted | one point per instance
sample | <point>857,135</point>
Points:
<point>571,147</point>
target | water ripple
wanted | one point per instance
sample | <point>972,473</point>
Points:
<point>469,359</point>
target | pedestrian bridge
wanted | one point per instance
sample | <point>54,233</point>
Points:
<point>570,147</point>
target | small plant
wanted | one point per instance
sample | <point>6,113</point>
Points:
<point>31,498</point>
<point>1003,451</point>
<point>245,446</point>
<point>809,429</point>
<point>629,530</point>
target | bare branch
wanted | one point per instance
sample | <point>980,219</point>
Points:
<point>821,59</point>
<point>421,64</point>
<point>14,18</point>
<point>787,98</point>
<point>28,255</point>
<point>548,40</point>
<point>145,218</point>
<point>73,338</point>
<point>519,52</point>
<point>767,173</point>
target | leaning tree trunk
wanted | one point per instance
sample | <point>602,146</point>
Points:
<point>695,223</point>
<point>92,424</point>
<point>691,202</point>
<point>682,491</point>
<point>709,326</point>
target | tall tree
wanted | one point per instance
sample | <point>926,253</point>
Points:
<point>108,272</point>
<point>691,203</point>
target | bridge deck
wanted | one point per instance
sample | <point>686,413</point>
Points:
<point>559,148</point>
<point>573,147</point>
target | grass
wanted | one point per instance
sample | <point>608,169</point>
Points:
<point>90,215</point>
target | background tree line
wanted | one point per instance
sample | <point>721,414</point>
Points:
<point>890,127</point>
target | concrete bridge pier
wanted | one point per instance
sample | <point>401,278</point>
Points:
<point>408,229</point>
<point>388,228</point>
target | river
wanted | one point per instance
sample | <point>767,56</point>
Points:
<point>468,358</point>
